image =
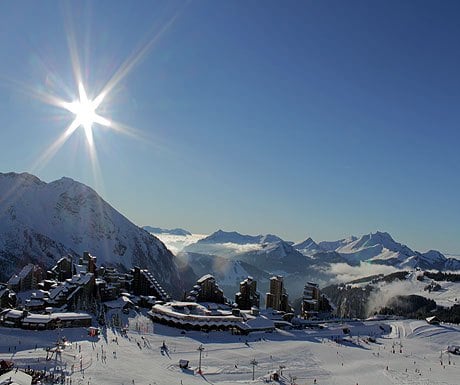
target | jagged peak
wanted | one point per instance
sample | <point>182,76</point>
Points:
<point>306,243</point>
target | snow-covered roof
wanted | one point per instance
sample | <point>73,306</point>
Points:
<point>13,313</point>
<point>14,377</point>
<point>260,323</point>
<point>14,280</point>
<point>65,258</point>
<point>68,316</point>
<point>37,319</point>
<point>205,278</point>
<point>40,294</point>
<point>191,313</point>
<point>35,302</point>
<point>26,271</point>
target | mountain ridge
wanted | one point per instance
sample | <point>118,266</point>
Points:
<point>41,222</point>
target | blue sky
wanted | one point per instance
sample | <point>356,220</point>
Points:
<point>299,118</point>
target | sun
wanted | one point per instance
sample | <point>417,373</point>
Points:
<point>83,109</point>
<point>85,113</point>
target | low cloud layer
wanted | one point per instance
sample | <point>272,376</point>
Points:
<point>345,273</point>
<point>385,291</point>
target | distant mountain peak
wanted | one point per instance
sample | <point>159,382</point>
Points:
<point>382,235</point>
<point>308,247</point>
<point>159,230</point>
<point>221,236</point>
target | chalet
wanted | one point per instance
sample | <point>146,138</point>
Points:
<point>26,320</point>
<point>72,319</point>
<point>37,301</point>
<point>12,317</point>
<point>38,322</point>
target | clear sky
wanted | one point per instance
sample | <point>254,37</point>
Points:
<point>299,118</point>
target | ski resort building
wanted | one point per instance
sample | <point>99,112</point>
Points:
<point>26,320</point>
<point>195,316</point>
<point>144,283</point>
<point>310,300</point>
<point>88,262</point>
<point>7,297</point>
<point>206,290</point>
<point>111,283</point>
<point>248,296</point>
<point>27,279</point>
<point>63,269</point>
<point>277,298</point>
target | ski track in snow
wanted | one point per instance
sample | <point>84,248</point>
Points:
<point>304,354</point>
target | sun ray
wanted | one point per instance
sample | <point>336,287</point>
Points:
<point>134,59</point>
<point>84,106</point>
<point>55,146</point>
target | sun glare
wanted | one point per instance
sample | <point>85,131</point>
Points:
<point>85,113</point>
<point>84,109</point>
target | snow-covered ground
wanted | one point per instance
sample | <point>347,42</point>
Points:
<point>447,296</point>
<point>407,352</point>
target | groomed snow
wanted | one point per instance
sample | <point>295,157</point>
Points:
<point>149,354</point>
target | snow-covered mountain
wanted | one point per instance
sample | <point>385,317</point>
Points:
<point>232,237</point>
<point>259,255</point>
<point>334,245</point>
<point>268,252</point>
<point>308,247</point>
<point>40,222</point>
<point>381,248</point>
<point>158,230</point>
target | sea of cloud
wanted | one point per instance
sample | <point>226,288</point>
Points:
<point>342,272</point>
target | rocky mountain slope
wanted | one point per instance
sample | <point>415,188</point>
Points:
<point>40,222</point>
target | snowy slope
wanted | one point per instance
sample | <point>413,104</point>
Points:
<point>415,283</point>
<point>334,245</point>
<point>405,352</point>
<point>41,221</point>
<point>308,247</point>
